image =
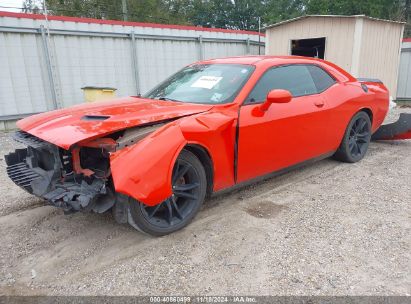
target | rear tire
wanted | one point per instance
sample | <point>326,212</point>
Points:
<point>189,185</point>
<point>356,139</point>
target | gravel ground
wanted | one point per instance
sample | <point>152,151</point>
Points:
<point>327,229</point>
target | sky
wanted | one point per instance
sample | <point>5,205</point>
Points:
<point>10,3</point>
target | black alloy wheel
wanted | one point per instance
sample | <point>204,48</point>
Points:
<point>356,139</point>
<point>189,185</point>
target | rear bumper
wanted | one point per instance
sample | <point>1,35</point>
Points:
<point>401,129</point>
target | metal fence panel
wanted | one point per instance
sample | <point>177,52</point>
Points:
<point>92,61</point>
<point>404,78</point>
<point>224,49</point>
<point>158,59</point>
<point>23,78</point>
<point>44,65</point>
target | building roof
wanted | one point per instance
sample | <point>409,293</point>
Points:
<point>125,23</point>
<point>329,16</point>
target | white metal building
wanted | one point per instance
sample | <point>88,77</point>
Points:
<point>45,63</point>
<point>404,78</point>
<point>364,46</point>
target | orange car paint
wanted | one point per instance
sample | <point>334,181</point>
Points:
<point>66,127</point>
<point>232,134</point>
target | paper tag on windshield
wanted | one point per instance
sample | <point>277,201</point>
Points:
<point>206,82</point>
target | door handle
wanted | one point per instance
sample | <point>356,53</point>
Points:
<point>319,103</point>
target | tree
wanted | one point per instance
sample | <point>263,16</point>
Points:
<point>398,10</point>
<point>280,10</point>
<point>201,13</point>
<point>234,14</point>
<point>245,14</point>
<point>32,6</point>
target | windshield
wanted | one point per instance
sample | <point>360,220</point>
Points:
<point>205,83</point>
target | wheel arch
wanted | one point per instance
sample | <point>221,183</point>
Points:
<point>143,171</point>
<point>366,110</point>
<point>348,154</point>
<point>369,113</point>
<point>206,160</point>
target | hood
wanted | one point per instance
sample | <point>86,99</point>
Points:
<point>69,126</point>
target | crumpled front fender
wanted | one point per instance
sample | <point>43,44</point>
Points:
<point>143,170</point>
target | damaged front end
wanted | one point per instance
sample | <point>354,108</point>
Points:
<point>78,179</point>
<point>56,175</point>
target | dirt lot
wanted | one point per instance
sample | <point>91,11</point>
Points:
<point>327,229</point>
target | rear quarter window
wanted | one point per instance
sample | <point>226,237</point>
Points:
<point>321,78</point>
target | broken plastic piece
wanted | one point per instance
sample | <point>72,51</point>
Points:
<point>401,129</point>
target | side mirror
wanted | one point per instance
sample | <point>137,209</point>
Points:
<point>276,96</point>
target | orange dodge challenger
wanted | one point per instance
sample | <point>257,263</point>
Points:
<point>213,125</point>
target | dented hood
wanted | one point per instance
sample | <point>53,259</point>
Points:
<point>69,126</point>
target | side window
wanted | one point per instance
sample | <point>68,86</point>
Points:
<point>321,78</point>
<point>294,78</point>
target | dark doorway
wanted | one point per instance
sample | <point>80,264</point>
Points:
<point>308,47</point>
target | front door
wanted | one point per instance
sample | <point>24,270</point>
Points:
<point>286,134</point>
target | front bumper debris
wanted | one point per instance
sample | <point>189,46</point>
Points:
<point>72,196</point>
<point>41,169</point>
<point>401,129</point>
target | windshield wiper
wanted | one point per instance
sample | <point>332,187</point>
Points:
<point>168,99</point>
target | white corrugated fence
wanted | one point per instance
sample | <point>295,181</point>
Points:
<point>44,64</point>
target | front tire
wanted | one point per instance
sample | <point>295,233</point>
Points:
<point>356,139</point>
<point>189,184</point>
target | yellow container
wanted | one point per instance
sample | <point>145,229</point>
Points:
<point>92,94</point>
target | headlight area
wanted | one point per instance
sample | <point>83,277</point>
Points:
<point>78,179</point>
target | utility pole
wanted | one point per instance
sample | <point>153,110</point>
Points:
<point>124,7</point>
<point>259,35</point>
<point>408,17</point>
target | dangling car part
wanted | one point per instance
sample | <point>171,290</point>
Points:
<point>214,125</point>
<point>48,171</point>
<point>401,129</point>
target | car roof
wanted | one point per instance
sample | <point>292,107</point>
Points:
<point>267,61</point>
<point>258,59</point>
